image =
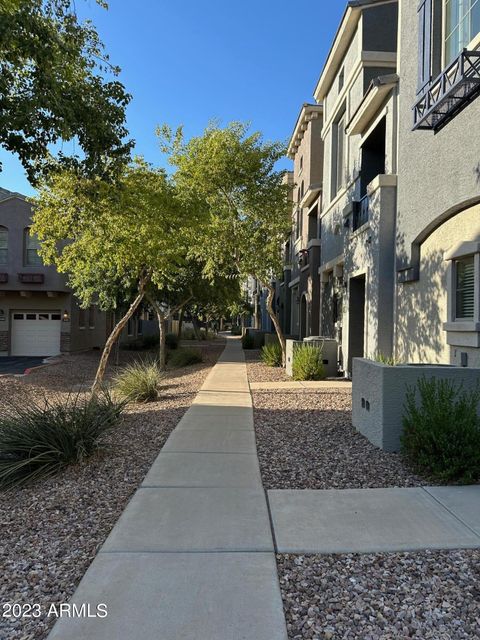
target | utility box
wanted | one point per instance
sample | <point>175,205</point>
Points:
<point>290,350</point>
<point>257,335</point>
<point>329,347</point>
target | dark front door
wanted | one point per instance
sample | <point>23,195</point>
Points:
<point>356,319</point>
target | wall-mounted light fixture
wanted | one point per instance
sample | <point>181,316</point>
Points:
<point>66,316</point>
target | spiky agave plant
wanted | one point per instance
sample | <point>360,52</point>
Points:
<point>39,438</point>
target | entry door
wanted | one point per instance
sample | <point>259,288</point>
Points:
<point>36,333</point>
<point>356,319</point>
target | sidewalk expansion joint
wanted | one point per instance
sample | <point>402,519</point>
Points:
<point>452,513</point>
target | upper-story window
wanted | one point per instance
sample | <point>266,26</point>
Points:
<point>32,245</point>
<point>341,79</point>
<point>462,24</point>
<point>301,164</point>
<point>3,245</point>
<point>338,153</point>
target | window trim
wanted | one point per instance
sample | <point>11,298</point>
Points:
<point>27,238</point>
<point>460,330</point>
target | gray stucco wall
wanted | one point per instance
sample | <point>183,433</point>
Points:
<point>438,178</point>
<point>437,172</point>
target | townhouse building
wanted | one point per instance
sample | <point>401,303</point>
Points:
<point>340,256</point>
<point>39,316</point>
<point>384,254</point>
<point>437,302</point>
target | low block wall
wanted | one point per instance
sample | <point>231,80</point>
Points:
<point>378,396</point>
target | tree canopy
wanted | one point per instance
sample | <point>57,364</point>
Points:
<point>52,90</point>
<point>234,172</point>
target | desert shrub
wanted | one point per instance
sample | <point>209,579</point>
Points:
<point>272,354</point>
<point>248,342</point>
<point>441,430</point>
<point>236,330</point>
<point>171,341</point>
<point>38,439</point>
<point>307,363</point>
<point>185,357</point>
<point>138,382</point>
<point>383,359</point>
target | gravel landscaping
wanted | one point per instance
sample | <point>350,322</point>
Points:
<point>431,595</point>
<point>259,372</point>
<point>305,440</point>
<point>50,531</point>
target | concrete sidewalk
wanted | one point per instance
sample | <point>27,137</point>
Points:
<point>373,520</point>
<point>192,555</point>
<point>302,384</point>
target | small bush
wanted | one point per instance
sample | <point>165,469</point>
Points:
<point>272,355</point>
<point>38,439</point>
<point>442,430</point>
<point>138,382</point>
<point>171,341</point>
<point>248,342</point>
<point>185,357</point>
<point>383,359</point>
<point>307,363</point>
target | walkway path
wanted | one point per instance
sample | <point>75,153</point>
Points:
<point>192,555</point>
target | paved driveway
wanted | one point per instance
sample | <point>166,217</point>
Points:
<point>18,364</point>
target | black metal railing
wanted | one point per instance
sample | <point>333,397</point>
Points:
<point>455,87</point>
<point>361,213</point>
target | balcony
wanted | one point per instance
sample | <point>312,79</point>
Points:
<point>450,92</point>
<point>361,211</point>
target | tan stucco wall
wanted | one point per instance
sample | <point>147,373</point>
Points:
<point>422,305</point>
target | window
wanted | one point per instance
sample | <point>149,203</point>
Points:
<point>130,327</point>
<point>462,24</point>
<point>32,245</point>
<point>301,164</point>
<point>464,288</point>
<point>139,326</point>
<point>298,223</point>
<point>341,79</point>
<point>81,318</point>
<point>91,316</point>
<point>339,153</point>
<point>3,245</point>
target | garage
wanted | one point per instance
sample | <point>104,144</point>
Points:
<point>35,333</point>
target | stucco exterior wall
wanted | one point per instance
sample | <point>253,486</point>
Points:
<point>15,215</point>
<point>422,305</point>
<point>438,173</point>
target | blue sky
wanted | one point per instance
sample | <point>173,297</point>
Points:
<point>186,62</point>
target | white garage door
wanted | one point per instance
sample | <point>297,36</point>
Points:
<point>36,333</point>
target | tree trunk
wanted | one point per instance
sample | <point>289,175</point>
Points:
<point>276,323</point>
<point>196,329</point>
<point>180,322</point>
<point>162,317</point>
<point>115,335</point>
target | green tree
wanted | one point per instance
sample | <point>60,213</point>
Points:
<point>52,89</point>
<point>112,240</point>
<point>234,172</point>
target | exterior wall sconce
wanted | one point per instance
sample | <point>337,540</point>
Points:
<point>66,316</point>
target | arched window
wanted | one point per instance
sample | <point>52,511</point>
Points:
<point>3,245</point>
<point>32,259</point>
